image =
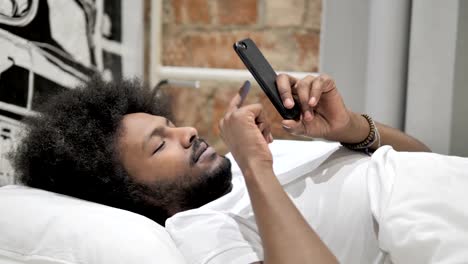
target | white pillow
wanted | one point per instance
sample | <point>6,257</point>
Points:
<point>37,226</point>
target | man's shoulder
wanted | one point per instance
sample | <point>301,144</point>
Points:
<point>204,235</point>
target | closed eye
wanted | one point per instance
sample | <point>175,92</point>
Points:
<point>160,147</point>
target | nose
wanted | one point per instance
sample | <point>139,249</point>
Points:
<point>186,135</point>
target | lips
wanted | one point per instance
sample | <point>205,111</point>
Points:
<point>199,151</point>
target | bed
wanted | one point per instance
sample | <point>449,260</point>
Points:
<point>417,200</point>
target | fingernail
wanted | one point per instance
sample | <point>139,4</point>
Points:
<point>244,89</point>
<point>312,101</point>
<point>288,102</point>
<point>308,115</point>
<point>285,126</point>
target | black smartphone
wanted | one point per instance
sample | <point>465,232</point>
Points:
<point>264,75</point>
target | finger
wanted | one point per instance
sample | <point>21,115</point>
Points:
<point>329,84</point>
<point>221,125</point>
<point>284,83</point>
<point>265,130</point>
<point>261,126</point>
<point>270,138</point>
<point>259,114</point>
<point>322,84</point>
<point>267,134</point>
<point>260,119</point>
<point>303,92</point>
<point>244,90</point>
<point>239,98</point>
<point>316,90</point>
<point>253,112</point>
<point>294,127</point>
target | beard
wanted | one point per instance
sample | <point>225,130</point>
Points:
<point>188,192</point>
<point>162,199</point>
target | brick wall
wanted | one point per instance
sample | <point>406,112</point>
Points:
<point>200,33</point>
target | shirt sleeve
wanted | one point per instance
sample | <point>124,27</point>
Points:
<point>419,201</point>
<point>206,236</point>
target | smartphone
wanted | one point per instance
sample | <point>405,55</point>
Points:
<point>265,76</point>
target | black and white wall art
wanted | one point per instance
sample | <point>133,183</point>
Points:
<point>50,45</point>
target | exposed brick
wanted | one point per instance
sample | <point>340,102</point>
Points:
<point>191,11</point>
<point>237,12</point>
<point>279,49</point>
<point>191,107</point>
<point>168,12</point>
<point>203,108</point>
<point>175,52</point>
<point>214,49</point>
<point>284,13</point>
<point>308,50</point>
<point>313,14</point>
<point>222,98</point>
<point>286,51</point>
<point>195,34</point>
<point>147,36</point>
<point>178,10</point>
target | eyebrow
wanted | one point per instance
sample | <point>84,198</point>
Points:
<point>157,131</point>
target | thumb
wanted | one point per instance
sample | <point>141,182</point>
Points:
<point>294,127</point>
<point>239,98</point>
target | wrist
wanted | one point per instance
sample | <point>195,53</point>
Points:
<point>256,170</point>
<point>356,130</point>
<point>368,143</point>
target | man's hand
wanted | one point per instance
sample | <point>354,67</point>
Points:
<point>324,115</point>
<point>286,236</point>
<point>323,112</point>
<point>246,132</point>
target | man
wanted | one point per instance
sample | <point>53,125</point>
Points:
<point>114,143</point>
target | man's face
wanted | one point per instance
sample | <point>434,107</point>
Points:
<point>172,162</point>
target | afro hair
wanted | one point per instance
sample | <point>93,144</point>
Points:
<point>70,147</point>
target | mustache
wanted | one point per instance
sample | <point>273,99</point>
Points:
<point>195,146</point>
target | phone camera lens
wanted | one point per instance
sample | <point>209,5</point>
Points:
<point>242,45</point>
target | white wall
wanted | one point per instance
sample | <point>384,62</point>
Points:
<point>364,46</point>
<point>387,60</point>
<point>132,38</point>
<point>436,101</point>
<point>403,62</point>
<point>459,136</point>
<point>343,48</point>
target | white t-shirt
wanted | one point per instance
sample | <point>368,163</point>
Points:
<point>345,196</point>
<point>420,201</point>
<point>327,183</point>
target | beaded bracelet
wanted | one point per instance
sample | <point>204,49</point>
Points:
<point>373,136</point>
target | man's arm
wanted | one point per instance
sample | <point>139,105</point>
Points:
<point>324,115</point>
<point>286,236</point>
<point>359,129</point>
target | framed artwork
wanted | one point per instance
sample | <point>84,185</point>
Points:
<point>47,46</point>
